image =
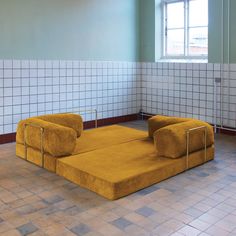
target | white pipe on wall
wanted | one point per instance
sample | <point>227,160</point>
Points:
<point>215,106</point>
<point>222,65</point>
<point>228,67</point>
<point>225,81</point>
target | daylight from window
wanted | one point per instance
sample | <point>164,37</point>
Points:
<point>186,28</point>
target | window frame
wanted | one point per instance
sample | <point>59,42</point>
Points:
<point>186,29</point>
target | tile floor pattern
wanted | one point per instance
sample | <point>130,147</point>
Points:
<point>201,201</point>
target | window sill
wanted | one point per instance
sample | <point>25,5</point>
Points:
<point>187,60</point>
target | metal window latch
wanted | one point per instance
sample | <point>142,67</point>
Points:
<point>166,31</point>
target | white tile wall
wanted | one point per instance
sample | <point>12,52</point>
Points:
<point>31,88</point>
<point>190,90</point>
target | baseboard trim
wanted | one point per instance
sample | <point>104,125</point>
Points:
<point>9,138</point>
<point>225,131</point>
<point>111,121</point>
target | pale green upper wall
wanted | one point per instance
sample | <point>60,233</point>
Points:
<point>147,30</point>
<point>126,30</point>
<point>150,30</point>
<point>215,31</point>
<point>148,47</point>
<point>69,29</point>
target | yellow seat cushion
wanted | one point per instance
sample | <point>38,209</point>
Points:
<point>89,140</point>
<point>119,170</point>
<point>158,122</point>
<point>170,141</point>
<point>106,136</point>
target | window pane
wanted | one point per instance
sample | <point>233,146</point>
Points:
<point>198,13</point>
<point>175,15</point>
<point>198,41</point>
<point>175,42</point>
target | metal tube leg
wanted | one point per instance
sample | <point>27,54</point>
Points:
<point>42,150</point>
<point>25,145</point>
<point>187,155</point>
<point>96,118</point>
<point>205,143</point>
<point>188,143</point>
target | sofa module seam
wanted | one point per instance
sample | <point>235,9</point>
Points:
<point>41,141</point>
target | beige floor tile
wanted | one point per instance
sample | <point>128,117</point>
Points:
<point>5,226</point>
<point>134,217</point>
<point>188,230</point>
<point>217,231</point>
<point>173,224</point>
<point>12,232</point>
<point>226,225</point>
<point>135,230</point>
<point>109,229</point>
<point>200,225</point>
<point>163,230</point>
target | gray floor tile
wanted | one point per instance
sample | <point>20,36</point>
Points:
<point>80,229</point>
<point>121,223</point>
<point>53,199</point>
<point>145,211</point>
<point>27,229</point>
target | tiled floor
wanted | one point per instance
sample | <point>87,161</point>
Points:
<point>201,201</point>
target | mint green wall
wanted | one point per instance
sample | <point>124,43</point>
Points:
<point>148,36</point>
<point>69,29</point>
<point>150,29</point>
<point>158,29</point>
<point>127,30</point>
<point>215,35</point>
<point>214,31</point>
<point>147,30</point>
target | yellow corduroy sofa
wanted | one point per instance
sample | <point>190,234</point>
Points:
<point>43,140</point>
<point>115,161</point>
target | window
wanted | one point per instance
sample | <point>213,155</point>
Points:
<point>185,28</point>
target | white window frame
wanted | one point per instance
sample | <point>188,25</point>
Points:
<point>186,32</point>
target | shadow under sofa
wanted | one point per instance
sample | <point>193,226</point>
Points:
<point>115,161</point>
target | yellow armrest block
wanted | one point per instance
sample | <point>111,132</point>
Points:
<point>158,122</point>
<point>171,141</point>
<point>57,140</point>
<point>73,121</point>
